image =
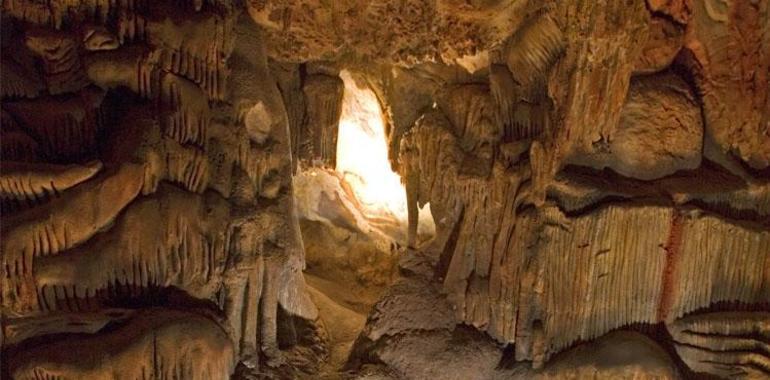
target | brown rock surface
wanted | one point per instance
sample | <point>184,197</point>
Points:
<point>659,132</point>
<point>173,203</point>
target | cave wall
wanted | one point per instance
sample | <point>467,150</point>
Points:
<point>591,166</point>
<point>611,191</point>
<point>148,220</point>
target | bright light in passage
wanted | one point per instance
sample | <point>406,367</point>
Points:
<point>362,153</point>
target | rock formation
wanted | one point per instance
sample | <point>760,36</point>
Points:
<point>598,173</point>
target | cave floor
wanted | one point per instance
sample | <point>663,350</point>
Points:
<point>343,322</point>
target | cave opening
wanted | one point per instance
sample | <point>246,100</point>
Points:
<point>358,189</point>
<point>368,194</point>
<point>353,217</point>
<point>362,154</point>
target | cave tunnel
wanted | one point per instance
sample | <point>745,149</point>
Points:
<point>412,189</point>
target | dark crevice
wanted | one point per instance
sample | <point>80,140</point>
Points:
<point>720,352</point>
<point>508,357</point>
<point>636,193</point>
<point>449,248</point>
<point>663,15</point>
<point>731,306</point>
<point>755,336</point>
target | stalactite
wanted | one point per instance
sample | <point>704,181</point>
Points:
<point>188,167</point>
<point>468,109</point>
<point>724,269</point>
<point>523,115</point>
<point>188,110</point>
<point>613,275</point>
<point>194,50</point>
<point>268,323</point>
<point>55,13</point>
<point>182,65</point>
<point>510,281</point>
<point>186,253</point>
<point>131,27</point>
<point>599,58</point>
<point>23,181</point>
<point>158,344</point>
<point>533,50</point>
<point>257,164</point>
<point>61,60</point>
<point>36,13</point>
<point>289,83</point>
<point>503,89</point>
<point>15,144</point>
<point>149,227</point>
<point>65,127</point>
<point>58,225</point>
<point>323,96</point>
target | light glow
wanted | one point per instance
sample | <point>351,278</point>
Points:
<point>362,154</point>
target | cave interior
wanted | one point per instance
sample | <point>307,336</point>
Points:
<point>385,189</point>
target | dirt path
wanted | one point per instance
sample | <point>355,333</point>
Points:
<point>342,322</point>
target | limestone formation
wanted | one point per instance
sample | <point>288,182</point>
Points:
<point>728,344</point>
<point>584,189</point>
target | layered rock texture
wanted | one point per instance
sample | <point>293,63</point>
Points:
<point>598,173</point>
<point>148,227</point>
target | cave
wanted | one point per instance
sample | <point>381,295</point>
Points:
<point>385,189</point>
